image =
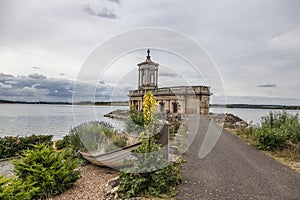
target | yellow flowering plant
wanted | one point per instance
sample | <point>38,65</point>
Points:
<point>149,107</point>
<point>151,174</point>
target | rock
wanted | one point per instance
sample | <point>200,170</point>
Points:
<point>173,150</point>
<point>110,187</point>
<point>118,114</point>
<point>241,124</point>
<point>228,120</point>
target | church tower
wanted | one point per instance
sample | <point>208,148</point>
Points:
<point>174,101</point>
<point>148,79</point>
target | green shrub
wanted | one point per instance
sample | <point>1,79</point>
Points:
<point>271,139</point>
<point>137,117</point>
<point>277,130</point>
<point>150,180</point>
<point>65,142</point>
<point>12,146</point>
<point>49,171</point>
<point>173,129</point>
<point>135,123</point>
<point>15,189</point>
<point>95,136</point>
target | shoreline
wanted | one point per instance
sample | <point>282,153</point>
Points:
<point>126,103</point>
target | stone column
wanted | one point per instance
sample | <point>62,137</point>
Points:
<point>139,78</point>
<point>142,77</point>
<point>156,78</point>
<point>147,77</point>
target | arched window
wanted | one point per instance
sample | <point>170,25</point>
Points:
<point>175,107</point>
<point>143,77</point>
<point>152,78</point>
<point>161,106</point>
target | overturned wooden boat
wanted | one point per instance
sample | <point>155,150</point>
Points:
<point>116,159</point>
<point>123,157</point>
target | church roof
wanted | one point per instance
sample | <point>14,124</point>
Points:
<point>148,60</point>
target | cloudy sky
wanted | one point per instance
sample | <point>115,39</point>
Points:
<point>254,44</point>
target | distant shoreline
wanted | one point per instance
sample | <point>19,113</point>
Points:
<point>117,103</point>
<point>125,103</point>
<point>255,106</point>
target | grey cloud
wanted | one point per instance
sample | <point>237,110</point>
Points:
<point>62,74</point>
<point>37,87</point>
<point>267,85</point>
<point>167,74</point>
<point>5,76</point>
<point>35,67</point>
<point>115,1</point>
<point>37,76</point>
<point>103,12</point>
<point>5,86</point>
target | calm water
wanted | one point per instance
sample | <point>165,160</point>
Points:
<point>25,119</point>
<point>22,119</point>
<point>248,115</point>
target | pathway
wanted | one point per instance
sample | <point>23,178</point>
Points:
<point>234,170</point>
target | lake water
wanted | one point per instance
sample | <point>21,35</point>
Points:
<point>27,119</point>
<point>249,115</point>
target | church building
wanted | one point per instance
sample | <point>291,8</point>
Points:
<point>172,100</point>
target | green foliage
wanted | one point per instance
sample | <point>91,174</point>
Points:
<point>65,142</point>
<point>173,128</point>
<point>156,176</point>
<point>95,136</point>
<point>12,146</point>
<point>49,171</point>
<point>277,130</point>
<point>135,123</point>
<point>15,189</point>
<point>163,181</point>
<point>150,174</point>
<point>137,117</point>
<point>271,138</point>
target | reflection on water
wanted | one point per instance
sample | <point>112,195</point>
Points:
<point>28,119</point>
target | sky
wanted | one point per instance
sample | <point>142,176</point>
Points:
<point>253,44</point>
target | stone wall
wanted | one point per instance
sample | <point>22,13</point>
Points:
<point>181,100</point>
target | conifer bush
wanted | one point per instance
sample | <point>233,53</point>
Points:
<point>12,146</point>
<point>50,171</point>
<point>16,189</point>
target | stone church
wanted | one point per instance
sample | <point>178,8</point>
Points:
<point>172,100</point>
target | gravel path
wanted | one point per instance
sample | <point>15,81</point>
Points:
<point>6,168</point>
<point>234,170</point>
<point>90,186</point>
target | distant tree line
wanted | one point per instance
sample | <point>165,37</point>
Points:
<point>254,106</point>
<point>118,103</point>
